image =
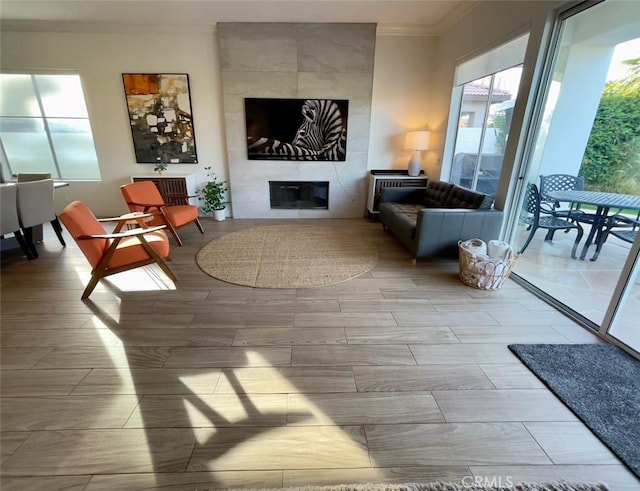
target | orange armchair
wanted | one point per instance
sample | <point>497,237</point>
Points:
<point>143,196</point>
<point>118,251</point>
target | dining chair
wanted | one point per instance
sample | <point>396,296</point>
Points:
<point>620,226</point>
<point>111,253</point>
<point>563,182</point>
<point>144,196</point>
<point>32,176</point>
<point>558,182</point>
<point>531,216</point>
<point>9,221</point>
<point>35,207</point>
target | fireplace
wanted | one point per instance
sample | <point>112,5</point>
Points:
<point>299,195</point>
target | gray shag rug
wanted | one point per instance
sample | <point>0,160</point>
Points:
<point>600,383</point>
<point>450,486</point>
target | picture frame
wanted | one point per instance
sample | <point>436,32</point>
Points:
<point>160,116</point>
<point>296,129</point>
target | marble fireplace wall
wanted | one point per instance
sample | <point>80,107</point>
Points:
<point>291,60</point>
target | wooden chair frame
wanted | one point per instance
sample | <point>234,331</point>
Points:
<point>102,270</point>
<point>158,210</point>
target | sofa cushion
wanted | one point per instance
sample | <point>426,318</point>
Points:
<point>436,193</point>
<point>403,215</point>
<point>460,197</point>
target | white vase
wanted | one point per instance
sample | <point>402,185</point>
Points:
<point>219,215</point>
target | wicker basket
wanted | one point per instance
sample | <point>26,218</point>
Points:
<point>479,271</point>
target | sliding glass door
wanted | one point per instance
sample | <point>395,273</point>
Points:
<point>588,126</point>
<point>621,320</point>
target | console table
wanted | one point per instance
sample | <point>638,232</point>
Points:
<point>379,179</point>
<point>172,184</point>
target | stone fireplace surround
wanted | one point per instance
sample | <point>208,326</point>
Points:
<point>292,60</point>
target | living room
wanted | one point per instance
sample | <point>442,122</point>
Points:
<point>401,374</point>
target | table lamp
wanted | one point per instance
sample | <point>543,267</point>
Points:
<point>416,141</point>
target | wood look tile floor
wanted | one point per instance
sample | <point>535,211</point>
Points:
<point>402,374</point>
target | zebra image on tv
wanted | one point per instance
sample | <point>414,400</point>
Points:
<point>296,129</point>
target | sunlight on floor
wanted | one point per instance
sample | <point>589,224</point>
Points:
<point>240,438</point>
<point>583,285</point>
<point>146,278</point>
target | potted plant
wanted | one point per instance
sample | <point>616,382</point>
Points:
<point>160,168</point>
<point>212,195</point>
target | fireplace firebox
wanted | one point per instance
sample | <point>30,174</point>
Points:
<point>299,195</point>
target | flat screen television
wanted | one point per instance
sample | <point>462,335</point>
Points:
<point>296,129</point>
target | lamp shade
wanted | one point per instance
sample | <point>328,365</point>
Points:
<point>417,140</point>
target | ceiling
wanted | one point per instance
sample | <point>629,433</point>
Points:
<point>423,16</point>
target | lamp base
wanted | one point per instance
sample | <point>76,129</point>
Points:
<point>415,163</point>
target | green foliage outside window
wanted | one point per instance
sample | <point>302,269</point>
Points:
<point>611,160</point>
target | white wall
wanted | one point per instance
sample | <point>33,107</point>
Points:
<point>487,26</point>
<point>413,77</point>
<point>100,59</point>
<point>401,99</point>
<point>412,83</point>
<point>403,65</point>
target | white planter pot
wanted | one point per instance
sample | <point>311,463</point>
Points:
<point>219,215</point>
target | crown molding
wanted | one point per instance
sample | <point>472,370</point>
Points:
<point>16,25</point>
<point>457,13</point>
<point>405,30</point>
<point>95,27</point>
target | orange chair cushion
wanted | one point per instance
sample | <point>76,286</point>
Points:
<point>79,220</point>
<point>180,215</point>
<point>145,192</point>
<point>131,251</point>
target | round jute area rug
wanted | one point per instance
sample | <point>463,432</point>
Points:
<point>287,256</point>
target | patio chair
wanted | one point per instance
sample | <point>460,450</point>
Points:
<point>118,251</point>
<point>558,182</point>
<point>620,226</point>
<point>144,196</point>
<point>531,216</point>
<point>563,182</point>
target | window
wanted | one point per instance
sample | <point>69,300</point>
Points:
<point>482,104</point>
<point>44,127</point>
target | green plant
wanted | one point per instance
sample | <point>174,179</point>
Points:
<point>212,194</point>
<point>611,160</point>
<point>160,167</point>
<point>500,127</point>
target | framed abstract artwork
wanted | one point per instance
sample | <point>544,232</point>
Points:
<point>160,115</point>
<point>296,129</point>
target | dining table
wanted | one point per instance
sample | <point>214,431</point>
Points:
<point>604,203</point>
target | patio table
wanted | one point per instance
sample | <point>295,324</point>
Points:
<point>603,202</point>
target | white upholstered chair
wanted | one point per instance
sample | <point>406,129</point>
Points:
<point>35,207</point>
<point>32,176</point>
<point>9,223</point>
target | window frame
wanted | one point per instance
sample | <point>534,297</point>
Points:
<point>9,172</point>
